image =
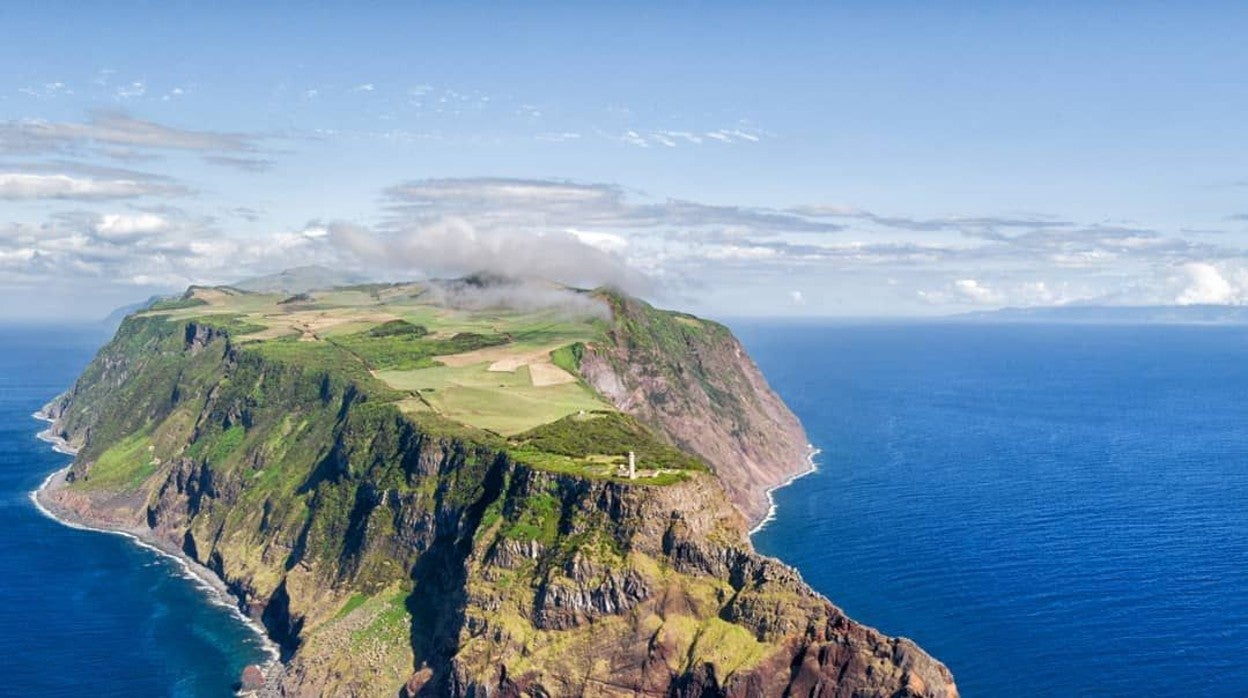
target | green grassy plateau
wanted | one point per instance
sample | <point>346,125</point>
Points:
<point>510,373</point>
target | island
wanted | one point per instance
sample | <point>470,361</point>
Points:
<point>468,487</point>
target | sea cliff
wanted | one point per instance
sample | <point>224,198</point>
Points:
<point>388,547</point>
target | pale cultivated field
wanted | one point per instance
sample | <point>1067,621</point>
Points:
<point>508,388</point>
<point>549,374</point>
<point>503,402</point>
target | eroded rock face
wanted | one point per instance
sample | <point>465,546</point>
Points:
<point>585,592</point>
<point>665,597</point>
<point>694,382</point>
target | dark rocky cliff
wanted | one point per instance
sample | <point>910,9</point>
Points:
<point>387,552</point>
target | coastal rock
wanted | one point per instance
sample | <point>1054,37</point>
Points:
<point>252,680</point>
<point>693,381</point>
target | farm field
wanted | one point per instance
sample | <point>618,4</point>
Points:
<point>487,368</point>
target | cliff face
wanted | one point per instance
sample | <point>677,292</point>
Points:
<point>693,381</point>
<point>387,552</point>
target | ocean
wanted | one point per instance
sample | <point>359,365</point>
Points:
<point>81,612</point>
<point>1050,510</point>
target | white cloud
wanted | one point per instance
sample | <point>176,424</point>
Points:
<point>1038,293</point>
<point>26,186</point>
<point>47,90</point>
<point>684,135</point>
<point>1206,286</point>
<point>744,135</point>
<point>131,91</point>
<point>114,128</point>
<point>607,242</point>
<point>672,139</point>
<point>452,245</point>
<point>559,137</point>
<point>21,255</point>
<point>239,163</point>
<point>975,292</point>
<point>130,225</point>
<point>739,253</point>
<point>634,138</point>
<point>558,205</point>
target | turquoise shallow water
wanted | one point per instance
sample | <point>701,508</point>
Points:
<point>1051,510</point>
<point>84,613</point>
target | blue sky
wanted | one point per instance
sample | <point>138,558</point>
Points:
<point>814,159</point>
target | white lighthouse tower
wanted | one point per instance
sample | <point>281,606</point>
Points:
<point>632,466</point>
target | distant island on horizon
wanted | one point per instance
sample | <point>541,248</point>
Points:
<point>1115,314</point>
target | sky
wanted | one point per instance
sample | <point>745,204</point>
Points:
<point>813,159</point>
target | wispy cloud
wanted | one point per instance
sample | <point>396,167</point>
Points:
<point>246,213</point>
<point>673,139</point>
<point>930,224</point>
<point>558,137</point>
<point>132,90</point>
<point>115,128</point>
<point>48,90</point>
<point>244,164</point>
<point>17,186</point>
<point>553,204</point>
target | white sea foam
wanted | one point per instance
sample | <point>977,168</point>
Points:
<point>812,466</point>
<point>213,588</point>
<point>58,444</point>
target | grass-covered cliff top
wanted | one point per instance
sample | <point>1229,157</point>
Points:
<point>451,355</point>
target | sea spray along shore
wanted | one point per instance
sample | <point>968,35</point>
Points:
<point>59,444</point>
<point>213,588</point>
<point>812,467</point>
<point>434,500</point>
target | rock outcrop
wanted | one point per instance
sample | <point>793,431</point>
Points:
<point>692,380</point>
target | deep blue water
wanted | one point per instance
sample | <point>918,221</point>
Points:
<point>1050,510</point>
<point>85,613</point>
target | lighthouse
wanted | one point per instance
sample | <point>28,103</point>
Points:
<point>632,466</point>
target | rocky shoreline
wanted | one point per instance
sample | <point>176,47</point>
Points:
<point>52,501</point>
<point>811,467</point>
